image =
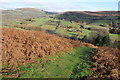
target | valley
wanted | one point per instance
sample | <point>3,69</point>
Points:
<point>41,44</point>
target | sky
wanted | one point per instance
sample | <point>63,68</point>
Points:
<point>61,5</point>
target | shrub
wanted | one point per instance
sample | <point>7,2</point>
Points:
<point>97,39</point>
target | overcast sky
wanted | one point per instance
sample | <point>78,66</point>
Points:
<point>61,5</point>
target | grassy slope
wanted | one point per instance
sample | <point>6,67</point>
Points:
<point>62,65</point>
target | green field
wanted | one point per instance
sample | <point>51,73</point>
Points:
<point>96,26</point>
<point>115,37</point>
<point>39,21</point>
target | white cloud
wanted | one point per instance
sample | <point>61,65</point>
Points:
<point>59,0</point>
<point>59,5</point>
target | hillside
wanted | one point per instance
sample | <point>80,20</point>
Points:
<point>21,13</point>
<point>30,44</point>
<point>98,17</point>
<point>41,50</point>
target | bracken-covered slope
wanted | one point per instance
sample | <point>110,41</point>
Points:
<point>19,44</point>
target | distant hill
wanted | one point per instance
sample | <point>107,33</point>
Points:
<point>83,16</point>
<point>89,13</point>
<point>47,12</point>
<point>104,13</point>
<point>21,13</point>
<point>90,17</point>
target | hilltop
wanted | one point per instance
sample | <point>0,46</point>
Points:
<point>21,13</point>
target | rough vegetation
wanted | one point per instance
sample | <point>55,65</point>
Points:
<point>106,63</point>
<point>20,44</point>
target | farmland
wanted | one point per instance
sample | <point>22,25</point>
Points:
<point>51,23</point>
